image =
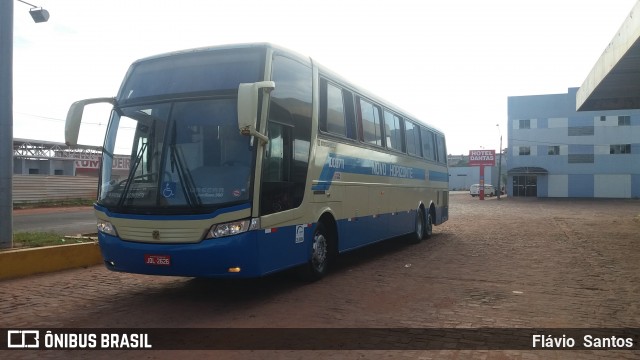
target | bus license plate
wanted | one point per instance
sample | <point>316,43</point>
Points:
<point>161,260</point>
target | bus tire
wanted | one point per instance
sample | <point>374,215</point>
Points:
<point>317,266</point>
<point>428,230</point>
<point>419,230</point>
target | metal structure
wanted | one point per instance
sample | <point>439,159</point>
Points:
<point>36,149</point>
<point>614,81</point>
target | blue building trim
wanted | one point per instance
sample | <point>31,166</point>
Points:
<point>581,185</point>
<point>635,186</point>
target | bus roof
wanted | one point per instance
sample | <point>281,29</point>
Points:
<point>305,59</point>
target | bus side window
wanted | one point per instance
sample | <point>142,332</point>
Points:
<point>428,145</point>
<point>333,119</point>
<point>370,123</point>
<point>412,138</point>
<point>442,149</point>
<point>350,115</point>
<point>337,114</point>
<point>393,131</point>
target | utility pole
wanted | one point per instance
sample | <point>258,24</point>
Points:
<point>6,124</point>
<point>500,168</point>
<point>6,115</point>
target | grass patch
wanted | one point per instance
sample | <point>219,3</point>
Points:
<point>39,239</point>
<point>53,203</point>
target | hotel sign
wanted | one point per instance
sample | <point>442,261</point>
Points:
<point>482,157</point>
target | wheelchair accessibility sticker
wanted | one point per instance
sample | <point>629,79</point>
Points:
<point>168,189</point>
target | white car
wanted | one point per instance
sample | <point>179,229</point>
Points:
<point>489,190</point>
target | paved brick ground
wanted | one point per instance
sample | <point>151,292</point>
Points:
<point>508,263</point>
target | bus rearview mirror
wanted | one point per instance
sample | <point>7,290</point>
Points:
<point>74,118</point>
<point>248,107</point>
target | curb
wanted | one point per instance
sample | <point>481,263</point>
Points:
<point>24,262</point>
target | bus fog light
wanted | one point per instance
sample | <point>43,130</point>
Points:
<point>107,228</point>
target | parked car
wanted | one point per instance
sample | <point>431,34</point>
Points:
<point>489,190</point>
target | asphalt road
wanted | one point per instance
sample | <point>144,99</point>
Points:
<point>65,221</point>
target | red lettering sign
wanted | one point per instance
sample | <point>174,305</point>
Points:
<point>119,162</point>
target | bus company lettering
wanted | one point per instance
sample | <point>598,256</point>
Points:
<point>336,163</point>
<point>398,171</point>
<point>401,171</point>
<point>379,168</point>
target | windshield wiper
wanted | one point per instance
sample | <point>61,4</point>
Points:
<point>132,176</point>
<point>188,186</point>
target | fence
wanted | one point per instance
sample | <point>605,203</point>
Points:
<point>34,188</point>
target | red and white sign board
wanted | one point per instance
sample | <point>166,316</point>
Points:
<point>482,158</point>
<point>119,162</point>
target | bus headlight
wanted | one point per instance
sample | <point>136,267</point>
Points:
<point>232,228</point>
<point>107,228</point>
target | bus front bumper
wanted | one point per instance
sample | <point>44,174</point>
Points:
<point>229,257</point>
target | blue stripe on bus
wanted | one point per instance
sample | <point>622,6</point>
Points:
<point>256,252</point>
<point>173,217</point>
<point>352,165</point>
<point>438,176</point>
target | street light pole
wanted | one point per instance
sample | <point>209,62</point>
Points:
<point>6,115</point>
<point>500,169</point>
<point>6,124</point>
<point>499,164</point>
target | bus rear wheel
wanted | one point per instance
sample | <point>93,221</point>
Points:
<point>318,263</point>
<point>429,227</point>
<point>420,227</point>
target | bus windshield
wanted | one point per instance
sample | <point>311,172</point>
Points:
<point>185,155</point>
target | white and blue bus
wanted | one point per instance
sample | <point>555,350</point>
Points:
<point>251,159</point>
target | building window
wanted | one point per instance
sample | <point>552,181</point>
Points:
<point>58,172</point>
<point>554,150</point>
<point>580,131</point>
<point>524,151</point>
<point>624,120</point>
<point>580,159</point>
<point>603,118</point>
<point>620,149</point>
<point>525,124</point>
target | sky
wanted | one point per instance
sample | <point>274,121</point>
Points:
<point>449,63</point>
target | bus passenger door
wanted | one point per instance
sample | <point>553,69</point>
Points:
<point>278,192</point>
<point>284,166</point>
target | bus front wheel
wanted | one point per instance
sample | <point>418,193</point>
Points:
<point>317,266</point>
